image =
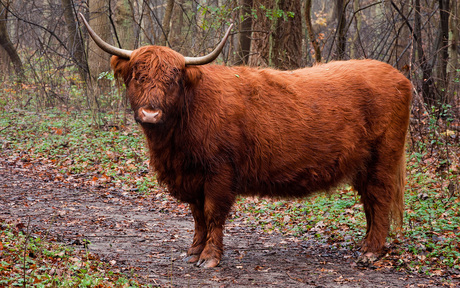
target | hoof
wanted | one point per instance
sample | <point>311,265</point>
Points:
<point>367,259</point>
<point>209,263</point>
<point>192,258</point>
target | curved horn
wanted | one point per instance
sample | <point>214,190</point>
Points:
<point>104,45</point>
<point>211,56</point>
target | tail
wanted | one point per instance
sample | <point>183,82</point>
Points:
<point>397,203</point>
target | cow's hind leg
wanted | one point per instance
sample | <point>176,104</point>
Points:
<point>376,197</point>
<point>381,188</point>
<point>199,238</point>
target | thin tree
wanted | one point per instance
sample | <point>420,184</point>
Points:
<point>341,32</point>
<point>427,69</point>
<point>244,38</point>
<point>454,32</point>
<point>287,40</point>
<point>99,61</point>
<point>403,41</point>
<point>453,65</point>
<point>75,43</point>
<point>124,24</point>
<point>166,23</point>
<point>444,49</point>
<point>176,39</point>
<point>261,35</point>
<point>311,32</point>
<point>6,43</point>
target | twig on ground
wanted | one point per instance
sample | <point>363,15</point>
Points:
<point>294,278</point>
<point>27,235</point>
<point>9,125</point>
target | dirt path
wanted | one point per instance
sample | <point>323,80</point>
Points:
<point>150,234</point>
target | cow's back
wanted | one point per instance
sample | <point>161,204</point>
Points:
<point>302,130</point>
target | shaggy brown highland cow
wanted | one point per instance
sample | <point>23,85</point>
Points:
<point>215,132</point>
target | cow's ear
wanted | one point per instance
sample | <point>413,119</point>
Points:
<point>120,67</point>
<point>192,76</point>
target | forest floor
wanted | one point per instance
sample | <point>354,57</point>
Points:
<point>145,236</point>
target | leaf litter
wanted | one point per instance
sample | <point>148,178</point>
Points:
<point>92,182</point>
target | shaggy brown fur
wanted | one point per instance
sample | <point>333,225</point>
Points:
<point>215,132</point>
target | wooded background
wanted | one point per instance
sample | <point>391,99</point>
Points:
<point>64,122</point>
<point>46,52</point>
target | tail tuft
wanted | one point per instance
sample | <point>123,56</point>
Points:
<point>397,205</point>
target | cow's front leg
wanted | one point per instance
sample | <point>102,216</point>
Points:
<point>199,238</point>
<point>218,201</point>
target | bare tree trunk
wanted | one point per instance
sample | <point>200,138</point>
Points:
<point>261,27</point>
<point>454,27</point>
<point>287,42</point>
<point>125,24</point>
<point>427,69</point>
<point>244,38</point>
<point>75,43</point>
<point>98,60</point>
<point>166,23</point>
<point>403,42</point>
<point>453,65</point>
<point>444,49</point>
<point>358,23</point>
<point>6,43</point>
<point>311,33</point>
<point>147,31</point>
<point>177,23</point>
<point>341,33</point>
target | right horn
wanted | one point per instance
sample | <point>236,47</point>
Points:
<point>104,45</point>
<point>211,56</point>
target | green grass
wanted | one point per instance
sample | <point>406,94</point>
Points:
<point>429,242</point>
<point>299,217</point>
<point>116,156</point>
<point>71,144</point>
<point>27,261</point>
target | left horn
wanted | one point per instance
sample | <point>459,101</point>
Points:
<point>211,56</point>
<point>104,45</point>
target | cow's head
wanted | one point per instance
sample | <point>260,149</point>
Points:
<point>155,76</point>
